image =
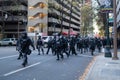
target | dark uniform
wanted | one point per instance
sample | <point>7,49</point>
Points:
<point>54,45</point>
<point>25,43</point>
<point>39,45</point>
<point>58,49</point>
<point>18,48</point>
<point>81,45</point>
<point>72,46</point>
<point>99,44</point>
<point>64,45</point>
<point>50,45</point>
<point>92,46</point>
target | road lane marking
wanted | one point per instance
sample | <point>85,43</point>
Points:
<point>8,57</point>
<point>85,56</point>
<point>21,69</point>
<point>12,72</point>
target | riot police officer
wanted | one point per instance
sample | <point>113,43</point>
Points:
<point>25,43</point>
<point>39,45</point>
<point>50,45</point>
<point>92,46</point>
<point>72,46</point>
<point>58,48</point>
<point>18,48</point>
<point>64,45</point>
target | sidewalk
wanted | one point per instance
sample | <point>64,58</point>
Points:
<point>104,68</point>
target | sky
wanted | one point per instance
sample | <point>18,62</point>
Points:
<point>96,30</point>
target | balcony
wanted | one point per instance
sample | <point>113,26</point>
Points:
<point>13,19</point>
<point>14,8</point>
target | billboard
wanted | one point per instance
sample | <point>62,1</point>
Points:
<point>106,3</point>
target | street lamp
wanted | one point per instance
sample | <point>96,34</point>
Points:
<point>4,17</point>
<point>107,50</point>
<point>18,28</point>
<point>18,25</point>
<point>25,23</point>
<point>73,3</point>
<point>61,14</point>
<point>70,18</point>
<point>55,27</point>
<point>106,10</point>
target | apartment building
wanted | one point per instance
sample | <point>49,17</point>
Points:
<point>13,17</point>
<point>37,16</point>
<point>51,16</point>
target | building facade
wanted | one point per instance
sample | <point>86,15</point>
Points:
<point>63,15</point>
<point>53,16</point>
<point>13,17</point>
<point>37,16</point>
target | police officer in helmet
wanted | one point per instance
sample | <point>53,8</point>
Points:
<point>25,43</point>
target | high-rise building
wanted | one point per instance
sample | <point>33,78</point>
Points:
<point>13,17</point>
<point>51,16</point>
<point>63,15</point>
<point>38,16</point>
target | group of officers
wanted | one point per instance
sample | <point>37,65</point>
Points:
<point>59,46</point>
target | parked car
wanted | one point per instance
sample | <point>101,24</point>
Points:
<point>46,39</point>
<point>8,42</point>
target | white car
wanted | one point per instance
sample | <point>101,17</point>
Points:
<point>46,39</point>
<point>8,41</point>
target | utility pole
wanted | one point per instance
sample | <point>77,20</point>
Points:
<point>61,15</point>
<point>3,24</point>
<point>70,18</point>
<point>115,57</point>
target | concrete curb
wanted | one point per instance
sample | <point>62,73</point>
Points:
<point>88,69</point>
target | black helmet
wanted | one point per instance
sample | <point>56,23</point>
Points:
<point>39,37</point>
<point>24,34</point>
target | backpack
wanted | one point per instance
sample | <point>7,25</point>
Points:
<point>24,43</point>
<point>24,46</point>
<point>58,44</point>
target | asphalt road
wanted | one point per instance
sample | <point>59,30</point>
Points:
<point>41,67</point>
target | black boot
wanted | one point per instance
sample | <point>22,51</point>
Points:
<point>24,64</point>
<point>18,58</point>
<point>57,59</point>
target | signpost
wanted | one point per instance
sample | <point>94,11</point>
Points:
<point>107,8</point>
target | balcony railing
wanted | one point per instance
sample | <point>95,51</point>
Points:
<point>13,8</point>
<point>13,18</point>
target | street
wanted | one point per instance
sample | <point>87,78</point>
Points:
<point>41,67</point>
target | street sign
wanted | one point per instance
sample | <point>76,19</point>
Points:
<point>110,17</point>
<point>106,6</point>
<point>106,3</point>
